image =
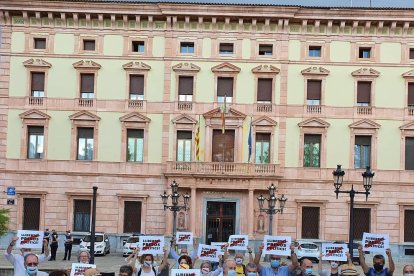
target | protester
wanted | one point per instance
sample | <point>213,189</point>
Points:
<point>59,273</point>
<point>206,269</point>
<point>31,263</point>
<point>185,262</point>
<point>275,268</point>
<point>68,245</point>
<point>145,266</point>
<point>54,243</point>
<point>125,270</point>
<point>17,260</point>
<point>334,267</point>
<point>378,264</point>
<point>408,270</point>
<point>306,267</point>
<point>251,269</point>
<point>229,267</point>
<point>84,257</point>
<point>183,251</point>
<point>348,270</point>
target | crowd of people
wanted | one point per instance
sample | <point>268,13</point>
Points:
<point>26,263</point>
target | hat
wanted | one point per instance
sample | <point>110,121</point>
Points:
<point>348,270</point>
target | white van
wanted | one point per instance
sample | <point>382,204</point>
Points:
<point>102,246</point>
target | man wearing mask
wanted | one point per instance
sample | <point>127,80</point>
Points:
<point>275,268</point>
<point>378,264</point>
<point>408,270</point>
<point>17,260</point>
<point>68,245</point>
<point>31,262</point>
<point>251,269</point>
<point>54,242</point>
<point>306,267</point>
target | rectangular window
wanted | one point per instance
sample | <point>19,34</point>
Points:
<point>362,151</point>
<point>226,49</point>
<point>38,84</point>
<point>187,47</point>
<point>362,222</point>
<point>81,215</point>
<point>364,93</point>
<point>132,217</point>
<point>410,96</point>
<point>365,52</point>
<point>85,143</point>
<point>264,90</point>
<point>31,213</point>
<point>136,87</point>
<point>262,148</point>
<point>314,90</point>
<point>185,88</point>
<point>138,46</point>
<point>184,142</point>
<point>310,222</point>
<point>223,145</point>
<point>87,86</point>
<point>409,153</point>
<point>225,89</point>
<point>265,50</point>
<point>89,45</point>
<point>39,43</point>
<point>409,226</point>
<point>135,147</point>
<point>35,141</point>
<point>312,150</point>
<point>411,54</point>
<point>315,51</point>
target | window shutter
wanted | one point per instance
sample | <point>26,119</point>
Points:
<point>89,45</point>
<point>409,226</point>
<point>362,222</point>
<point>185,85</point>
<point>87,83</point>
<point>363,140</point>
<point>223,143</point>
<point>225,87</point>
<point>38,81</point>
<point>410,99</point>
<point>135,133</point>
<point>409,153</point>
<point>85,132</point>
<point>314,89</point>
<point>136,84</point>
<point>265,137</point>
<point>132,216</point>
<point>184,135</point>
<point>31,213</point>
<point>364,92</point>
<point>266,48</point>
<point>226,47</point>
<point>310,222</point>
<point>264,90</point>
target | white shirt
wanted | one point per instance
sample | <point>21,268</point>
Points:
<point>17,260</point>
<point>40,273</point>
<point>151,273</point>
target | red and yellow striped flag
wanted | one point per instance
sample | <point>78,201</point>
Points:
<point>223,116</point>
<point>197,142</point>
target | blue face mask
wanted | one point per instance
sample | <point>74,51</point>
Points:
<point>409,274</point>
<point>308,271</point>
<point>231,272</point>
<point>251,273</point>
<point>31,270</point>
<point>274,263</point>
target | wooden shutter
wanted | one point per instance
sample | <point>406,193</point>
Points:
<point>264,90</point>
<point>314,89</point>
<point>409,153</point>
<point>363,140</point>
<point>225,87</point>
<point>409,226</point>
<point>136,84</point>
<point>364,92</point>
<point>31,213</point>
<point>85,132</point>
<point>310,222</point>
<point>226,47</point>
<point>223,146</point>
<point>362,221</point>
<point>135,133</point>
<point>410,98</point>
<point>38,81</point>
<point>87,83</point>
<point>185,85</point>
<point>132,216</point>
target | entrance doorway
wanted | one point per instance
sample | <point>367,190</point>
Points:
<point>221,219</point>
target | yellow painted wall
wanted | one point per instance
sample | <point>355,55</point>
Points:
<point>113,45</point>
<point>292,142</point>
<point>158,46</point>
<point>155,82</point>
<point>388,147</point>
<point>340,51</point>
<point>64,44</point>
<point>338,143</point>
<point>246,48</point>
<point>19,77</point>
<point>206,47</point>
<point>14,133</point>
<point>59,135</point>
<point>112,83</point>
<point>294,49</point>
<point>17,42</point>
<point>339,87</point>
<point>110,137</point>
<point>295,84</point>
<point>390,52</point>
<point>205,86</point>
<point>155,141</point>
<point>245,87</point>
<point>390,88</point>
<point>62,69</point>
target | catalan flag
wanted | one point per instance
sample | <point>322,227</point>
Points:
<point>249,142</point>
<point>197,141</point>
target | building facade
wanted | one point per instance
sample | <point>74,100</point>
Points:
<point>113,95</point>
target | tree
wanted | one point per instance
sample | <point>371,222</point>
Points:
<point>4,221</point>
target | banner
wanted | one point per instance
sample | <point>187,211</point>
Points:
<point>334,251</point>
<point>222,246</point>
<point>238,242</point>
<point>151,245</point>
<point>377,243</point>
<point>185,272</point>
<point>79,269</point>
<point>209,252</point>
<point>29,239</point>
<point>277,245</point>
<point>184,238</point>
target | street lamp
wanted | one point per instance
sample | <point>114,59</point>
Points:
<point>271,210</point>
<point>175,196</point>
<point>338,176</point>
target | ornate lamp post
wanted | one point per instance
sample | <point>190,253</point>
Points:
<point>338,176</point>
<point>175,196</point>
<point>271,210</point>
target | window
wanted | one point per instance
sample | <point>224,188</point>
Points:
<point>38,84</point>
<point>410,96</point>
<point>85,143</point>
<point>223,145</point>
<point>184,142</point>
<point>187,47</point>
<point>226,49</point>
<point>262,148</point>
<point>315,51</point>
<point>314,88</point>
<point>224,89</point>
<point>35,142</point>
<point>132,216</point>
<point>87,86</point>
<point>408,225</point>
<point>89,45</point>
<point>362,151</point>
<point>363,93</point>
<point>364,52</point>
<point>411,53</point>
<point>136,87</point>
<point>31,213</point>
<point>265,50</point>
<point>81,215</point>
<point>39,43</point>
<point>362,222</point>
<point>409,153</point>
<point>135,150</point>
<point>185,88</point>
<point>264,90</point>
<point>138,46</point>
<point>310,222</point>
<point>311,150</point>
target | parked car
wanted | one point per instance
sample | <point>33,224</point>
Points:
<point>307,250</point>
<point>102,246</point>
<point>130,244</point>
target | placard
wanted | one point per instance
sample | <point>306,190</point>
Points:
<point>375,242</point>
<point>185,272</point>
<point>222,246</point>
<point>277,245</point>
<point>334,251</point>
<point>151,245</point>
<point>184,238</point>
<point>238,242</point>
<point>29,239</point>
<point>78,269</point>
<point>209,252</point>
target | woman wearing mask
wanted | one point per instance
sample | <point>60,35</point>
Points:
<point>334,267</point>
<point>185,262</point>
<point>54,241</point>
<point>205,268</point>
<point>145,266</point>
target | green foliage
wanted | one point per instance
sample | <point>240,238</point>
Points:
<point>4,221</point>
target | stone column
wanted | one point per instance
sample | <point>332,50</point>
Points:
<point>250,215</point>
<point>193,210</point>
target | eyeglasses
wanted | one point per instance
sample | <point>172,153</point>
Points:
<point>32,264</point>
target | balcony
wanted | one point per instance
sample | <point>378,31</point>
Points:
<point>264,107</point>
<point>314,109</point>
<point>364,110</point>
<point>36,101</point>
<point>184,105</point>
<point>136,104</point>
<point>85,102</point>
<point>410,110</point>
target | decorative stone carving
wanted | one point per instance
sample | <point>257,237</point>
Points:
<point>365,72</point>
<point>87,64</point>
<point>186,66</point>
<point>314,70</point>
<point>136,65</point>
<point>36,62</point>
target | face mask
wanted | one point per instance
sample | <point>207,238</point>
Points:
<point>31,270</point>
<point>334,265</point>
<point>147,263</point>
<point>239,261</point>
<point>274,263</point>
<point>308,271</point>
<point>231,272</point>
<point>378,267</point>
<point>251,273</point>
<point>205,270</point>
<point>409,274</point>
<point>184,266</point>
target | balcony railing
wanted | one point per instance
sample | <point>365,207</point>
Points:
<point>36,101</point>
<point>411,111</point>
<point>314,109</point>
<point>264,107</point>
<point>138,104</point>
<point>85,102</point>
<point>185,105</point>
<point>364,110</point>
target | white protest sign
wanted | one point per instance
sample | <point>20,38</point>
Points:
<point>334,251</point>
<point>79,269</point>
<point>151,245</point>
<point>377,243</point>
<point>238,242</point>
<point>185,272</point>
<point>209,252</point>
<point>29,239</point>
<point>184,238</point>
<point>277,245</point>
<point>222,246</point>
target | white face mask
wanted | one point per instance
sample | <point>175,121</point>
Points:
<point>408,274</point>
<point>239,261</point>
<point>147,263</point>
<point>334,265</point>
<point>205,270</point>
